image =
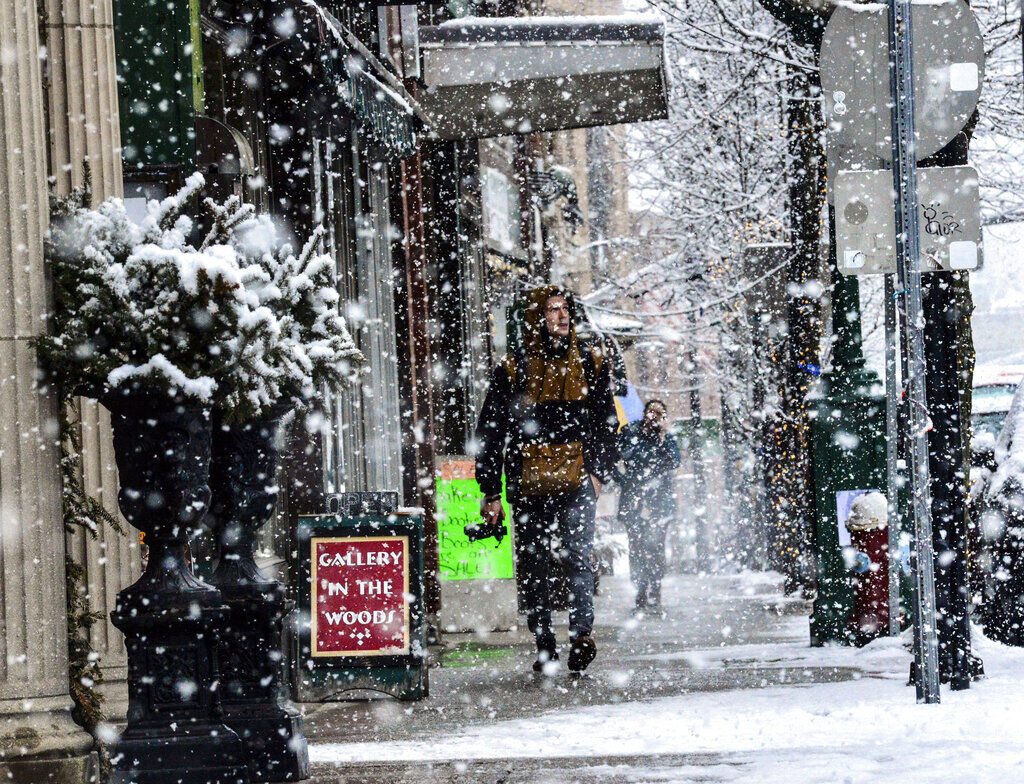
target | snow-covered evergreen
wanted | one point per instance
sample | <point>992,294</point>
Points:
<point>238,321</point>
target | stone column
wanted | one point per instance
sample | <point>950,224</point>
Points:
<point>38,739</point>
<point>81,93</point>
<point>111,559</point>
<point>84,128</point>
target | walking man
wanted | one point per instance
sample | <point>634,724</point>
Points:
<point>650,456</point>
<point>548,423</point>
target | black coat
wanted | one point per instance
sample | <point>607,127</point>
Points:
<point>647,460</point>
<point>546,394</point>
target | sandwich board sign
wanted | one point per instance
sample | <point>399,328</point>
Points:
<point>361,590</point>
<point>360,623</point>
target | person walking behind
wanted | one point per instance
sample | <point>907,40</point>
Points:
<point>548,423</point>
<point>650,457</point>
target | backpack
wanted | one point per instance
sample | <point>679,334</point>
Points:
<point>551,469</point>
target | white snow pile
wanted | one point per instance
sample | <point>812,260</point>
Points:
<point>1008,479</point>
<point>1000,492</point>
<point>862,730</point>
<point>239,322</point>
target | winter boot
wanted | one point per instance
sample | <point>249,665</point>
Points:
<point>581,653</point>
<point>641,600</point>
<point>547,654</point>
<point>654,597</point>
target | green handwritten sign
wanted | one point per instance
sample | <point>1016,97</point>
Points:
<point>458,505</point>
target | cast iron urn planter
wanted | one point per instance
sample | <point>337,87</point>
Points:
<point>242,480</point>
<point>170,618</point>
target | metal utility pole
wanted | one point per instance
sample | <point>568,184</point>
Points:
<point>892,487</point>
<point>908,264</point>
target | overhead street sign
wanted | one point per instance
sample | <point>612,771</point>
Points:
<point>948,73</point>
<point>948,214</point>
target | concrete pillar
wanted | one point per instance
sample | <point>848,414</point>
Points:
<point>111,559</point>
<point>39,742</point>
<point>81,93</point>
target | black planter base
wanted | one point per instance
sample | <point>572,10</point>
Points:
<point>176,733</point>
<point>169,617</point>
<point>207,753</point>
<point>249,648</point>
<point>275,745</point>
<point>251,695</point>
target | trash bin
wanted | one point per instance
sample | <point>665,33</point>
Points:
<point>869,542</point>
<point>848,448</point>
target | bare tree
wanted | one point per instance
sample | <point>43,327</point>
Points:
<point>738,162</point>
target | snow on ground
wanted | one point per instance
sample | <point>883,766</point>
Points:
<point>865,730</point>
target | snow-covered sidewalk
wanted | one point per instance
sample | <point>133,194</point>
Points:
<point>862,729</point>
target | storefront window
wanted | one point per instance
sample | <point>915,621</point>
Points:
<point>362,434</point>
<point>500,197</point>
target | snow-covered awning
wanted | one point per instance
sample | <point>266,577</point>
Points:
<point>385,111</point>
<point>624,329</point>
<point>494,77</point>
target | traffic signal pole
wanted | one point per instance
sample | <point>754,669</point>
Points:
<point>908,265</point>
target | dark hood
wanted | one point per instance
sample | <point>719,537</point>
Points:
<point>536,338</point>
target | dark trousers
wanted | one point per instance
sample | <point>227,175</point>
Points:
<point>646,533</point>
<point>557,527</point>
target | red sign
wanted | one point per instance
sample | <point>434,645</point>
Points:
<point>360,596</point>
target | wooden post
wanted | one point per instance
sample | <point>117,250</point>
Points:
<point>421,414</point>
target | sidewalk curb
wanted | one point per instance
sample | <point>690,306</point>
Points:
<point>508,770</point>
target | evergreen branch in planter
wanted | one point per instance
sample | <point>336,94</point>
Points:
<point>296,343</point>
<point>238,322</point>
<point>81,511</point>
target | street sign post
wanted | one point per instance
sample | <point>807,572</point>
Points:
<point>892,485</point>
<point>873,121</point>
<point>908,264</point>
<point>948,213</point>
<point>854,63</point>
